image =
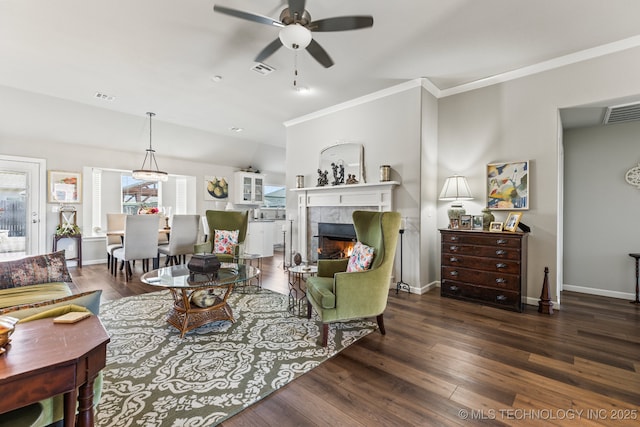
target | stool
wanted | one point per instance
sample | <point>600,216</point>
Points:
<point>78,238</point>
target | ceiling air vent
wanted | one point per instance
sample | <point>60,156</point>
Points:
<point>262,69</point>
<point>622,113</point>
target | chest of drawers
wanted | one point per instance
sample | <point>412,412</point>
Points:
<point>484,267</point>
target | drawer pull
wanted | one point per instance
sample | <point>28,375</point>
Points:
<point>453,248</point>
<point>500,280</point>
<point>501,252</point>
<point>501,265</point>
<point>501,298</point>
<point>453,273</point>
<point>454,259</point>
<point>501,242</point>
<point>453,288</point>
<point>453,238</point>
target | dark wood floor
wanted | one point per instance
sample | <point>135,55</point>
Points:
<point>448,362</point>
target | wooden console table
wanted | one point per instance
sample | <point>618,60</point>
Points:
<point>45,359</point>
<point>78,238</point>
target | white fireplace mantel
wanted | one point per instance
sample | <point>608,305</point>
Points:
<point>374,195</point>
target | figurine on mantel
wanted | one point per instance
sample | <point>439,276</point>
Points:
<point>351,179</point>
<point>323,178</point>
<point>338,174</point>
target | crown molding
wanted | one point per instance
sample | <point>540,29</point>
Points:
<point>356,101</point>
<point>429,86</point>
<point>561,61</point>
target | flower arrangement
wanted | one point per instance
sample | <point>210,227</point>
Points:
<point>67,229</point>
<point>148,211</point>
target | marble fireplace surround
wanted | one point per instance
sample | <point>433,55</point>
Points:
<point>335,204</point>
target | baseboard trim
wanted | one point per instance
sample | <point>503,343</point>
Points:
<point>600,292</point>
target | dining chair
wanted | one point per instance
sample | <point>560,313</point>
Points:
<point>163,238</point>
<point>140,242</point>
<point>183,237</point>
<point>115,222</point>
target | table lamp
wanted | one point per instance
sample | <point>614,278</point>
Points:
<point>455,189</point>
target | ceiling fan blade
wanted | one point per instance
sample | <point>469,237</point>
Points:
<point>342,23</point>
<point>269,50</point>
<point>296,7</point>
<point>248,16</point>
<point>319,54</point>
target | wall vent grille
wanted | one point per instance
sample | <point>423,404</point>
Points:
<point>622,113</point>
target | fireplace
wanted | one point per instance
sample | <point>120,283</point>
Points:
<point>335,241</point>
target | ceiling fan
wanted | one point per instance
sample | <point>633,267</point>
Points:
<point>296,27</point>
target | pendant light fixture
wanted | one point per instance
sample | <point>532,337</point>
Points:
<point>149,173</point>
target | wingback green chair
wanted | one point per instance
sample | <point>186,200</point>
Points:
<point>225,220</point>
<point>337,295</point>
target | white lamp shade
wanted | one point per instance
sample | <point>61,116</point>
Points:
<point>456,188</point>
<point>295,36</point>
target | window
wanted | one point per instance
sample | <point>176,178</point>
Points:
<point>274,196</point>
<point>138,194</point>
<point>113,190</point>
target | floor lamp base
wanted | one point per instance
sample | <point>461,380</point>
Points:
<point>401,284</point>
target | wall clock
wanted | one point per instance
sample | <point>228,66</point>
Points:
<point>633,176</point>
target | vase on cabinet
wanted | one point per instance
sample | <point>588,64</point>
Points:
<point>487,219</point>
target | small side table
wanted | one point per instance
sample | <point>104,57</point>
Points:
<point>297,292</point>
<point>248,259</point>
<point>78,238</point>
<point>637,257</point>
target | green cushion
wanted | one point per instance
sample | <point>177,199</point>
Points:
<point>26,416</point>
<point>90,300</point>
<point>321,289</point>
<point>32,294</point>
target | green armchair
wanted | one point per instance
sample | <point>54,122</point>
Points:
<point>337,295</point>
<point>225,220</point>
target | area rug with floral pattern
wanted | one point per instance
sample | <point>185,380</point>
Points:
<point>155,378</point>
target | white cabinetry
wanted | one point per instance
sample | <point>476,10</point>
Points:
<point>278,236</point>
<point>259,238</point>
<point>248,188</point>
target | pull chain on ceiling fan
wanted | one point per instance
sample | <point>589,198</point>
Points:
<point>296,28</point>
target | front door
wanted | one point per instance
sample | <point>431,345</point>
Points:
<point>22,205</point>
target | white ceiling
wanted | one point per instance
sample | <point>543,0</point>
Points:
<point>161,56</point>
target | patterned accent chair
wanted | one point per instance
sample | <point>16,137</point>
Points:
<point>337,295</point>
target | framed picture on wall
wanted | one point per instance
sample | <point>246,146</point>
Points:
<point>508,185</point>
<point>64,187</point>
<point>216,188</point>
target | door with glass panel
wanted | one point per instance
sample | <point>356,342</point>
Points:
<point>21,205</point>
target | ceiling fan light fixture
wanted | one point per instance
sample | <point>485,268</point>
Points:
<point>295,36</point>
<point>148,173</point>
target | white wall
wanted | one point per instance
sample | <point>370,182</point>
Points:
<point>518,120</point>
<point>601,209</point>
<point>390,130</point>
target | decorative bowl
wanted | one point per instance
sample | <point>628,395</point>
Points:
<point>7,326</point>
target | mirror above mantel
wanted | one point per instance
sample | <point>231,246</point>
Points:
<point>349,155</point>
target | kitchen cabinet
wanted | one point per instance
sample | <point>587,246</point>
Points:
<point>259,238</point>
<point>248,188</point>
<point>278,235</point>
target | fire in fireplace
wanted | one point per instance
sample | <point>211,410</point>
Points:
<point>335,241</point>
